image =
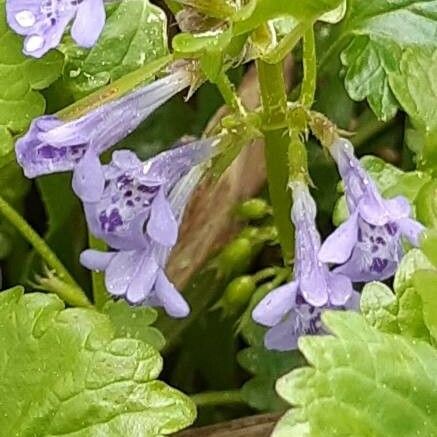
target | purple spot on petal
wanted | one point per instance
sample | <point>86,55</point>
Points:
<point>378,265</point>
<point>391,228</point>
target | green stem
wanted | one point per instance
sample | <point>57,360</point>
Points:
<point>213,398</point>
<point>274,101</point>
<point>227,90</point>
<point>309,83</point>
<point>100,293</point>
<point>266,273</point>
<point>75,294</point>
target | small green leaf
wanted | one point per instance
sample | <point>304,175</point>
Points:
<point>362,383</point>
<point>426,204</point>
<point>266,366</point>
<point>65,373</point>
<point>134,322</point>
<point>404,310</point>
<point>135,34</point>
<point>425,282</point>
<point>414,260</point>
<point>429,246</point>
<point>20,79</point>
<point>380,306</point>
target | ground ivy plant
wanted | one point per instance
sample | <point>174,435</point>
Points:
<point>238,197</point>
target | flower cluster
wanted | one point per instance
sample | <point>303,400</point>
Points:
<point>134,206</point>
<point>368,246</point>
<point>43,22</point>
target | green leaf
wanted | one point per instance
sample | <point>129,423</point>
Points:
<point>390,57</point>
<point>426,204</point>
<point>425,282</point>
<point>65,373</point>
<point>134,322</point>
<point>379,306</point>
<point>20,79</point>
<point>404,310</point>
<point>266,366</point>
<point>362,383</point>
<point>135,34</point>
<point>429,246</point>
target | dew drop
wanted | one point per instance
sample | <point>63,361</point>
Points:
<point>25,18</point>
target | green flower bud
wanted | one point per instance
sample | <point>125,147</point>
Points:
<point>236,295</point>
<point>254,209</point>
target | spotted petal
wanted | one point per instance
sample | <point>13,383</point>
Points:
<point>362,267</point>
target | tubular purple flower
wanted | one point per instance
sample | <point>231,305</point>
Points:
<point>294,309</point>
<point>52,145</point>
<point>138,215</point>
<point>368,246</point>
<point>43,22</point>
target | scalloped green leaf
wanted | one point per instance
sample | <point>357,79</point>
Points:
<point>390,57</point>
<point>362,383</point>
<point>135,34</point>
<point>403,311</point>
<point>134,322</point>
<point>21,78</point>
<point>64,372</point>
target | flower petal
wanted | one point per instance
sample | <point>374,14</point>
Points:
<point>162,226</point>
<point>121,270</point>
<point>377,211</point>
<point>170,298</point>
<point>411,229</point>
<point>340,289</point>
<point>282,337</point>
<point>272,309</point>
<point>96,260</point>
<point>89,22</point>
<point>88,178</point>
<point>143,280</point>
<point>337,248</point>
<point>362,267</point>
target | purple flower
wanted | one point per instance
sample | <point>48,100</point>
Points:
<point>294,309</point>
<point>138,215</point>
<point>136,276</point>
<point>43,22</point>
<point>142,201</point>
<point>368,246</point>
<point>52,145</point>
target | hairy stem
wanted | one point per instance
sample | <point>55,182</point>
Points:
<point>274,102</point>
<point>75,294</point>
<point>212,398</point>
<point>308,89</point>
